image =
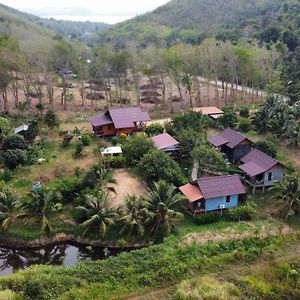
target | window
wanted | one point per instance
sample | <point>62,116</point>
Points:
<point>270,176</point>
<point>228,199</point>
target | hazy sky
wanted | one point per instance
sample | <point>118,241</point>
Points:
<point>110,11</point>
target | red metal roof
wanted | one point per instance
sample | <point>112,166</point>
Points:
<point>121,117</point>
<point>191,192</point>
<point>228,137</point>
<point>126,117</point>
<point>164,140</point>
<point>257,162</point>
<point>220,186</point>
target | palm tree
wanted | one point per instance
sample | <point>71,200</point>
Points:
<point>287,195</point>
<point>40,206</point>
<point>98,214</point>
<point>136,216</point>
<point>8,206</point>
<point>100,176</point>
<point>162,200</point>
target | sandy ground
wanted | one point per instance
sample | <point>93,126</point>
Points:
<point>126,185</point>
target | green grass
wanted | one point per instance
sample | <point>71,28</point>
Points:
<point>139,271</point>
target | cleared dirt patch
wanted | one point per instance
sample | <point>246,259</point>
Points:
<point>126,185</point>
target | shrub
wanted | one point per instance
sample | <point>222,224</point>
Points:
<point>51,119</point>
<point>6,175</point>
<point>154,129</point>
<point>117,161</point>
<point>229,119</point>
<point>116,140</point>
<point>209,218</point>
<point>123,136</point>
<point>246,212</point>
<point>78,149</point>
<point>157,165</point>
<point>244,112</point>
<point>244,125</point>
<point>267,147</point>
<point>13,158</point>
<point>67,140</point>
<point>86,140</point>
<point>14,141</point>
<point>32,131</point>
<point>135,148</point>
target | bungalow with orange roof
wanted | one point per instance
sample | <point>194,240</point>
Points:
<point>213,193</point>
<point>213,112</point>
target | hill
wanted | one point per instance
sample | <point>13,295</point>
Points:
<point>193,20</point>
<point>73,29</point>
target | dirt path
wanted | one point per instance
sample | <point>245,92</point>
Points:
<point>126,185</point>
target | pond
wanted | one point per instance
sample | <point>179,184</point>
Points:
<point>12,260</point>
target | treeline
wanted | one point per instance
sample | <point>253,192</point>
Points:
<point>113,75</point>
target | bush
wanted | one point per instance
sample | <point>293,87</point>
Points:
<point>78,149</point>
<point>244,112</point>
<point>154,129</point>
<point>157,165</point>
<point>244,125</point>
<point>69,187</point>
<point>117,161</point>
<point>209,218</point>
<point>267,147</point>
<point>246,212</point>
<point>14,141</point>
<point>229,119</point>
<point>6,175</point>
<point>14,158</point>
<point>51,119</point>
<point>67,140</point>
<point>86,140</point>
<point>32,131</point>
<point>135,148</point>
<point>116,140</point>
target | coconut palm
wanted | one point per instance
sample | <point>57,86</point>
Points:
<point>100,176</point>
<point>98,214</point>
<point>8,209</point>
<point>135,217</point>
<point>162,201</point>
<point>287,195</point>
<point>40,207</point>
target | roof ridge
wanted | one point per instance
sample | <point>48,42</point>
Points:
<point>261,152</point>
<point>218,176</point>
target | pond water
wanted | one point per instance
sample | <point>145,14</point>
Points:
<point>12,260</point>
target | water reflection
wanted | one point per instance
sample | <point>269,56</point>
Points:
<point>12,260</point>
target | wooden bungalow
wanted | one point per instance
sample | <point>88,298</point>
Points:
<point>213,193</point>
<point>166,143</point>
<point>261,169</point>
<point>119,120</point>
<point>231,143</point>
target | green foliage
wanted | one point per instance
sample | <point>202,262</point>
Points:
<point>229,119</point>
<point>287,196</point>
<point>67,140</point>
<point>267,146</point>
<point>162,201</point>
<point>78,149</point>
<point>14,141</point>
<point>6,175</point>
<point>14,158</point>
<point>86,139</point>
<point>244,112</point>
<point>209,218</point>
<point>244,125</point>
<point>157,165</point>
<point>209,159</point>
<point>32,132</point>
<point>135,148</point>
<point>246,212</point>
<point>40,207</point>
<point>51,119</point>
<point>154,129</point>
<point>98,214</point>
